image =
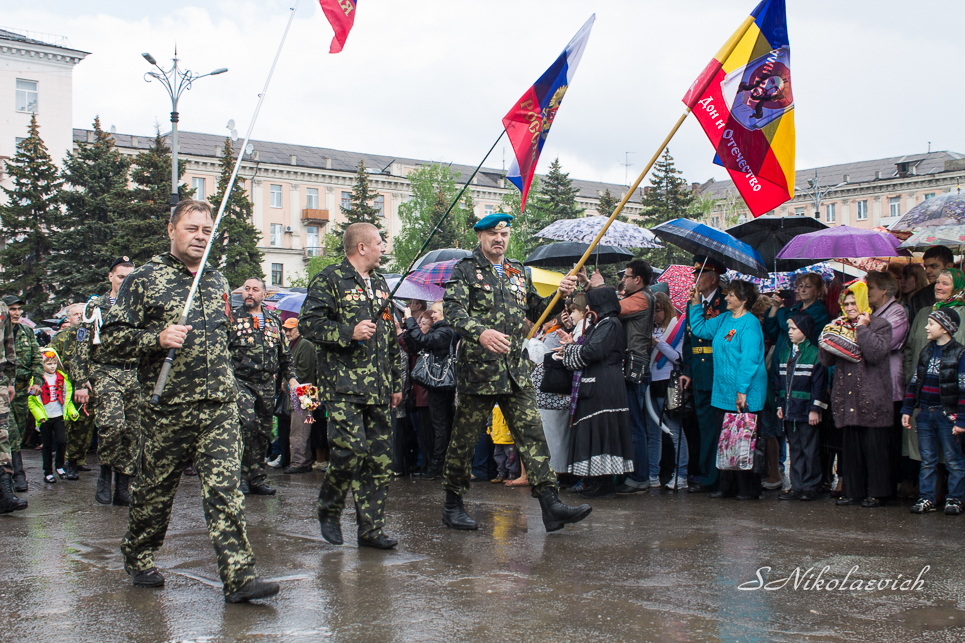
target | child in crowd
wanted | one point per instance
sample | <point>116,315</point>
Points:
<point>801,389</point>
<point>504,451</point>
<point>938,390</point>
<point>48,408</point>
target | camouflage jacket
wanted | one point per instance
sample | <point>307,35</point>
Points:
<point>258,354</point>
<point>151,299</point>
<point>477,299</point>
<point>84,352</point>
<point>349,370</point>
<point>8,365</point>
<point>29,362</point>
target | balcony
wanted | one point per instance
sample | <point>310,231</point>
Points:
<point>314,217</point>
<point>313,251</point>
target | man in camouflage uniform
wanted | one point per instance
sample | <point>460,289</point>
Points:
<point>196,417</point>
<point>29,365</point>
<point>63,342</point>
<point>8,366</point>
<point>487,299</point>
<point>359,379</point>
<point>116,393</point>
<point>258,355</point>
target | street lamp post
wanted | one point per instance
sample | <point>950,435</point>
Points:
<point>175,81</point>
<point>816,192</point>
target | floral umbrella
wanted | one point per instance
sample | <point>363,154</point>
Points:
<point>623,235</point>
<point>944,209</point>
<point>680,279</point>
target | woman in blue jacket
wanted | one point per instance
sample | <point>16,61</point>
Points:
<point>740,381</point>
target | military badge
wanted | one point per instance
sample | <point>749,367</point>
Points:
<point>81,334</point>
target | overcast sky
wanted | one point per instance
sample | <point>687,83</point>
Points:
<point>432,79</point>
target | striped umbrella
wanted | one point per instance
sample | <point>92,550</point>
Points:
<point>701,239</point>
<point>434,273</point>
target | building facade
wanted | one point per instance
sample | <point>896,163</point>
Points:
<point>867,194</point>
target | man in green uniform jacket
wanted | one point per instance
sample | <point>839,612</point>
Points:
<point>29,366</point>
<point>487,300</point>
<point>196,418</point>
<point>8,367</point>
<point>359,379</point>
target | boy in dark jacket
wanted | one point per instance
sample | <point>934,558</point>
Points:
<point>801,385</point>
<point>938,390</point>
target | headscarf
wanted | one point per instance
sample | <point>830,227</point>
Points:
<point>958,290</point>
<point>860,291</point>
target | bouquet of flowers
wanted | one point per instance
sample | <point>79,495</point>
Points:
<point>305,398</point>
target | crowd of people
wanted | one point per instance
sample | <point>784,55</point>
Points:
<point>619,392</point>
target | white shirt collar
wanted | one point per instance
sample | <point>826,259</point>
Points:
<point>704,300</point>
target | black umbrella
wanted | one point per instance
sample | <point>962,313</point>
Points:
<point>567,253</point>
<point>768,235</point>
<point>443,254</point>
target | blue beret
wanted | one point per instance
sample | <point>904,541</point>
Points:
<point>497,220</point>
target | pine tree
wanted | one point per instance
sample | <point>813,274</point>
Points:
<point>669,197</point>
<point>608,203</point>
<point>97,201</point>
<point>360,209</point>
<point>433,189</point>
<point>235,249</point>
<point>25,218</point>
<point>145,233</point>
<point>550,200</point>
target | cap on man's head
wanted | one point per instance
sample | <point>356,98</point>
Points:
<point>711,264</point>
<point>119,261</point>
<point>494,221</point>
<point>291,322</point>
<point>11,300</point>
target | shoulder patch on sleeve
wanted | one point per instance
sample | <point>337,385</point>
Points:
<point>81,334</point>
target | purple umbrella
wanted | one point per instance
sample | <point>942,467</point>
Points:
<point>434,273</point>
<point>414,290</point>
<point>841,242</point>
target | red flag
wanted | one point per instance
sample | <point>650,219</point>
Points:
<point>341,15</point>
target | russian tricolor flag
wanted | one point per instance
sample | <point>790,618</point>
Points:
<point>529,121</point>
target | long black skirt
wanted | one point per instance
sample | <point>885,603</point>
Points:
<point>602,442</point>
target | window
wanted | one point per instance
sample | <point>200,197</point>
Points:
<point>277,274</point>
<point>346,200</point>
<point>275,193</point>
<point>311,201</point>
<point>27,96</point>
<point>929,195</point>
<point>17,140</point>
<point>829,213</point>
<point>379,205</point>
<point>894,206</point>
<point>715,222</point>
<point>311,241</point>
<point>198,185</point>
<point>799,212</point>
<point>488,210</point>
<point>275,235</point>
<point>862,210</point>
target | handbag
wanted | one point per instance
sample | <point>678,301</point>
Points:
<point>636,368</point>
<point>738,440</point>
<point>556,378</point>
<point>840,339</point>
<point>675,391</point>
<point>433,373</point>
<point>283,404</point>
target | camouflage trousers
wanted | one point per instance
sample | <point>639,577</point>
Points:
<point>522,416</point>
<point>359,439</point>
<point>21,415</point>
<point>80,432</point>
<point>206,434</point>
<point>256,404</point>
<point>117,397</point>
<point>4,433</point>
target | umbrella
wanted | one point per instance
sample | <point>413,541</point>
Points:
<point>545,281</point>
<point>567,253</point>
<point>785,280</point>
<point>291,303</point>
<point>443,254</point>
<point>768,235</point>
<point>434,273</point>
<point>946,235</point>
<point>414,290</point>
<point>841,242</point>
<point>680,279</point>
<point>703,240</point>
<point>624,235</point>
<point>944,209</point>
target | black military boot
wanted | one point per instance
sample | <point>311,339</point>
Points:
<point>243,486</point>
<point>19,477</point>
<point>454,514</point>
<point>122,494</point>
<point>556,514</point>
<point>103,493</point>
<point>8,501</point>
<point>70,470</point>
<point>331,527</point>
<point>253,589</point>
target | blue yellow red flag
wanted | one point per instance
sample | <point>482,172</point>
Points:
<point>341,15</point>
<point>744,103</point>
<point>529,121</point>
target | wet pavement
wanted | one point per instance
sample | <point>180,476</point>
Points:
<point>655,566</point>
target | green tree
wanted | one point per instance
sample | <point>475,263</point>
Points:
<point>549,200</point>
<point>25,218</point>
<point>144,233</point>
<point>97,202</point>
<point>360,208</point>
<point>608,203</point>
<point>234,251</point>
<point>522,239</point>
<point>668,197</point>
<point>433,189</point>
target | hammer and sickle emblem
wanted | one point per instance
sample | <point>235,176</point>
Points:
<point>347,6</point>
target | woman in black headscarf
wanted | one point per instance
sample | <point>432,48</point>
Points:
<point>602,445</point>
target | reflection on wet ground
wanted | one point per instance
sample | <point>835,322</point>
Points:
<point>657,567</point>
